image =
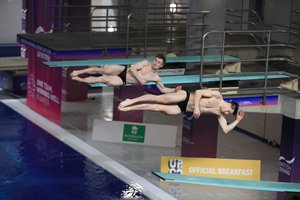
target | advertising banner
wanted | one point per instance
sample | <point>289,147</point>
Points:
<point>212,167</point>
<point>134,133</point>
<point>254,101</point>
<point>43,86</point>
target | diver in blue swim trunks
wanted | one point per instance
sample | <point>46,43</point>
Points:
<point>202,101</point>
<point>117,75</point>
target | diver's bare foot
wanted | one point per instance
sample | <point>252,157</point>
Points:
<point>74,73</point>
<point>123,108</point>
<point>125,103</point>
<point>77,78</point>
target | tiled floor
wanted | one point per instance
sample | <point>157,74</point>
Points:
<point>78,119</point>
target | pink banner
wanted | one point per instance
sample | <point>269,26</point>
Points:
<point>43,86</point>
<point>43,83</point>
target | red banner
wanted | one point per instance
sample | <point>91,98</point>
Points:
<point>43,86</point>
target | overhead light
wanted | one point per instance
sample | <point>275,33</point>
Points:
<point>111,29</point>
<point>173,7</point>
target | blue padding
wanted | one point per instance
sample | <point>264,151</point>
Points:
<point>188,79</point>
<point>10,50</point>
<point>129,61</point>
<point>233,183</point>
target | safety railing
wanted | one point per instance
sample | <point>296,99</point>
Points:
<point>293,37</point>
<point>245,17</point>
<point>294,25</point>
<point>246,20</point>
<point>223,48</point>
<point>147,31</point>
<point>140,30</point>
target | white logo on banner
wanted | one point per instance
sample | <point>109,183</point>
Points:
<point>40,29</point>
<point>134,129</point>
<point>175,166</point>
<point>24,11</point>
<point>31,85</point>
<point>285,165</point>
<point>287,161</point>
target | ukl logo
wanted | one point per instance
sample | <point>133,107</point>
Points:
<point>175,166</point>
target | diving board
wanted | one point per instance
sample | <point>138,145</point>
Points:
<point>129,61</point>
<point>189,79</point>
<point>13,63</point>
<point>233,183</point>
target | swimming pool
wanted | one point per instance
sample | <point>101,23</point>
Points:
<point>36,165</point>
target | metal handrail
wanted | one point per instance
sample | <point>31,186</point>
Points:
<point>176,19</point>
<point>267,59</point>
<point>249,11</point>
<point>146,26</point>
<point>260,22</point>
<point>127,34</point>
<point>267,67</point>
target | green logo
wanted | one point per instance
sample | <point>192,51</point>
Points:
<point>134,133</point>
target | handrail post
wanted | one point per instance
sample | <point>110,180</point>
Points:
<point>222,60</point>
<point>146,35</point>
<point>106,23</point>
<point>267,68</point>
<point>202,28</point>
<point>91,24</point>
<point>127,34</point>
<point>242,15</point>
<point>187,40</point>
<point>202,60</point>
<point>172,29</point>
<point>106,31</point>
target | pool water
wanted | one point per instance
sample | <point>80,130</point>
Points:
<point>35,165</point>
